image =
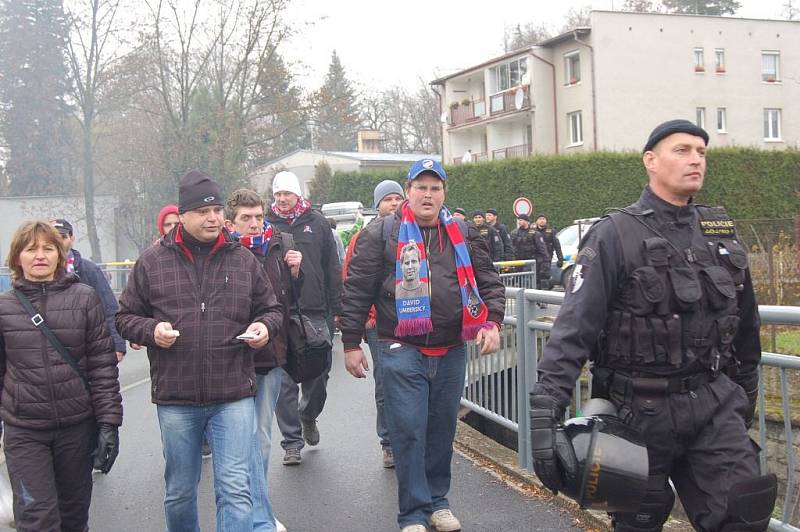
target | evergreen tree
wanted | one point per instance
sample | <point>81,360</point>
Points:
<point>33,85</point>
<point>321,188</point>
<point>702,7</point>
<point>336,113</point>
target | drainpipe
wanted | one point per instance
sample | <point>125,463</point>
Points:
<point>594,93</point>
<point>555,102</point>
<point>441,125</point>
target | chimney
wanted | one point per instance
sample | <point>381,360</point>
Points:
<point>370,141</point>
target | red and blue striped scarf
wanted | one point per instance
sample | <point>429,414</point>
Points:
<point>256,243</point>
<point>412,296</point>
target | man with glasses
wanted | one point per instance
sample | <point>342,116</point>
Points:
<point>432,282</point>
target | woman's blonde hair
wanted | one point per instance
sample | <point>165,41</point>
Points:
<point>28,233</point>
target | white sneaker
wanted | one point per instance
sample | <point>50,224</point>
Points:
<point>279,526</point>
<point>444,521</point>
<point>414,528</point>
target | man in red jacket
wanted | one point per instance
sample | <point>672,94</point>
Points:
<point>188,299</point>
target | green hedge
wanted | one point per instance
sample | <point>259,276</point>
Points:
<point>752,184</point>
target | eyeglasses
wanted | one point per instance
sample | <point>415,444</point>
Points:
<point>433,189</point>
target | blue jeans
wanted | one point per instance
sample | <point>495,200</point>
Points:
<point>380,418</point>
<point>230,428</point>
<point>269,386</point>
<point>422,396</point>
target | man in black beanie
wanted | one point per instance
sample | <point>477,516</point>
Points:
<point>489,234</point>
<point>664,284</point>
<point>203,375</point>
<point>502,232</point>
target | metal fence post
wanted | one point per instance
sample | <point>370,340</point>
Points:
<point>527,377</point>
<point>523,418</point>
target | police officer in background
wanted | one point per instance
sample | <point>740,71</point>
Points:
<point>661,302</point>
<point>493,241</point>
<point>502,232</point>
<point>551,243</point>
<point>528,243</point>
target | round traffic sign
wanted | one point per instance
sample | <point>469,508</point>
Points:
<point>523,206</point>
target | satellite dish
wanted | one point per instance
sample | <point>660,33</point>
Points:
<point>519,96</point>
<point>444,117</point>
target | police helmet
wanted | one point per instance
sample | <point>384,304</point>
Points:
<point>604,461</point>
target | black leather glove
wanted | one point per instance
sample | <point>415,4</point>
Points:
<point>107,447</point>
<point>749,383</point>
<point>545,416</point>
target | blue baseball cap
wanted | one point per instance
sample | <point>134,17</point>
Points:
<point>427,165</point>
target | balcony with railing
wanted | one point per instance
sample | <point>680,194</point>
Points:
<point>512,152</point>
<point>476,157</point>
<point>461,113</point>
<point>510,101</point>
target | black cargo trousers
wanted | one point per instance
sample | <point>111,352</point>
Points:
<point>51,476</point>
<point>698,439</point>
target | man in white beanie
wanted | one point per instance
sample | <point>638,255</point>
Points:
<point>321,297</point>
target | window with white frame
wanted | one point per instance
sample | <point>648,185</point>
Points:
<point>719,60</point>
<point>572,68</point>
<point>509,74</point>
<point>699,60</point>
<point>700,117</point>
<point>722,120</point>
<point>772,124</point>
<point>575,126</point>
<point>770,66</point>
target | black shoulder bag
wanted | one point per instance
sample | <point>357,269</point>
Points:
<point>308,344</point>
<point>38,321</point>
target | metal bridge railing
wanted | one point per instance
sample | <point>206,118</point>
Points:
<point>497,385</point>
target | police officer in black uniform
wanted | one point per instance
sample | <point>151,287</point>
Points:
<point>502,232</point>
<point>661,302</point>
<point>493,241</point>
<point>528,244</point>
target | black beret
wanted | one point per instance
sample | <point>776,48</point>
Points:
<point>666,129</point>
<point>478,213</point>
<point>524,217</point>
<point>540,215</point>
<point>491,211</point>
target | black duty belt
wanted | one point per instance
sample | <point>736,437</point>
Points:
<point>661,385</point>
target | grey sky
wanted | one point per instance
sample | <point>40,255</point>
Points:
<point>383,44</point>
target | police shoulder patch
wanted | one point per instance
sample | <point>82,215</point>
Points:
<point>587,253</point>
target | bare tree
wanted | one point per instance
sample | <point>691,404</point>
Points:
<point>576,18</point>
<point>790,10</point>
<point>642,6</point>
<point>520,36</point>
<point>94,46</point>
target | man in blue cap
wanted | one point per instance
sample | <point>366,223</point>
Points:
<point>663,284</point>
<point>422,333</point>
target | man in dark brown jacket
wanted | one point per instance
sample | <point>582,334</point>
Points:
<point>188,299</point>
<point>423,361</point>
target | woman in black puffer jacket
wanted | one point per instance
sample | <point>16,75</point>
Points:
<point>55,429</point>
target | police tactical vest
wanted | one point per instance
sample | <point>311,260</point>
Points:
<point>677,308</point>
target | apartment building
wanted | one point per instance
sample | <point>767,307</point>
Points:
<point>605,86</point>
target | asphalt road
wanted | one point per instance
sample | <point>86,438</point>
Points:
<point>339,486</point>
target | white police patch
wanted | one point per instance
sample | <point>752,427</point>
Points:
<point>576,280</point>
